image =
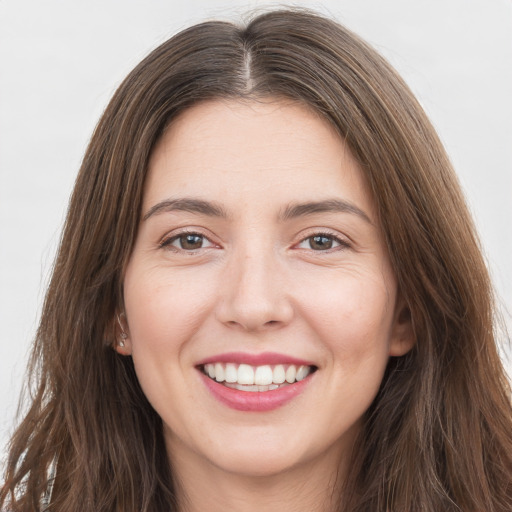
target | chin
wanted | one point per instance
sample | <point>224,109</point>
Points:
<point>263,452</point>
<point>258,463</point>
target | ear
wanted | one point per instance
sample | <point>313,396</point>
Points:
<point>403,337</point>
<point>122,341</point>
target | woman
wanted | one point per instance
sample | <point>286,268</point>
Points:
<point>269,294</point>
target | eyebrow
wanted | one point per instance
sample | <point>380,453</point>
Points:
<point>295,210</point>
<point>211,209</point>
<point>291,211</point>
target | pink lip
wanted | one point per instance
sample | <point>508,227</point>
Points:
<point>255,401</point>
<point>270,358</point>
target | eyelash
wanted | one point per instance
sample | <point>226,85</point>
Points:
<point>334,239</point>
<point>341,243</point>
<point>166,243</point>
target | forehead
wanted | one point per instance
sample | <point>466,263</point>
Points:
<point>235,151</point>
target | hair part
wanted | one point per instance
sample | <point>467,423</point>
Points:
<point>438,435</point>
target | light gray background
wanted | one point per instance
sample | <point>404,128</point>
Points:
<point>61,60</point>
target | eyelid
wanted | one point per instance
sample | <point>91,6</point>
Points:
<point>343,242</point>
<point>169,238</point>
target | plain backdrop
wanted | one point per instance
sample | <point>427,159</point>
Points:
<point>61,60</point>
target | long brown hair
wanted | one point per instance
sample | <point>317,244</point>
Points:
<point>438,437</point>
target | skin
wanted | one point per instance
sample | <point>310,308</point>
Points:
<point>257,282</point>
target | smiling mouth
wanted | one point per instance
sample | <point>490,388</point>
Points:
<point>262,378</point>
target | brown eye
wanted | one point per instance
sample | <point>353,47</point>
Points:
<point>323,242</point>
<point>320,242</point>
<point>190,241</point>
<point>187,242</point>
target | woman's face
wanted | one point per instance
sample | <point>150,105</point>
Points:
<point>261,307</point>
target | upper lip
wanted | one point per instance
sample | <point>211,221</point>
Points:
<point>263,358</point>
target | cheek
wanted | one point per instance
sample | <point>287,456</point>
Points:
<point>163,315</point>
<point>162,310</point>
<point>353,315</point>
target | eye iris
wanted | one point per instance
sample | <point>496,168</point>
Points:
<point>320,242</point>
<point>190,241</point>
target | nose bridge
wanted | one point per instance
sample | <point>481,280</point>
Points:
<point>253,293</point>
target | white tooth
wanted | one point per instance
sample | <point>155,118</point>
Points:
<point>290,374</point>
<point>219,372</point>
<point>251,389</point>
<point>302,373</point>
<point>245,374</point>
<point>210,370</point>
<point>263,375</point>
<point>231,373</point>
<point>278,375</point>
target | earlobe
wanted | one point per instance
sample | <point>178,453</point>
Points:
<point>404,337</point>
<point>122,342</point>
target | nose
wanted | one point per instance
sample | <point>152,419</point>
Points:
<point>253,294</point>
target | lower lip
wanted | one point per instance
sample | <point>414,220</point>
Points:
<point>256,401</point>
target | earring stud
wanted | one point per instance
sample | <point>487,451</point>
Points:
<point>123,335</point>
